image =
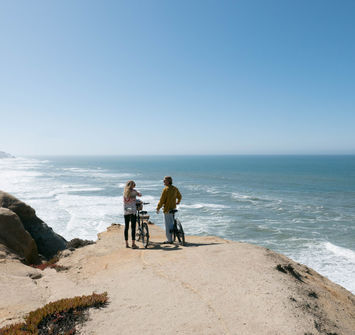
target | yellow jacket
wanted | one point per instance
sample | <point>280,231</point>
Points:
<point>168,198</point>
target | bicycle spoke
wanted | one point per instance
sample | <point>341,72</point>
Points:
<point>145,234</point>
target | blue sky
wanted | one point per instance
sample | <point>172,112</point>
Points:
<point>177,77</point>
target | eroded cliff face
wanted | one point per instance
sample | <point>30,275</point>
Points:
<point>48,242</point>
<point>14,237</point>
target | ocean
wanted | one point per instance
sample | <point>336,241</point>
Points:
<point>300,206</point>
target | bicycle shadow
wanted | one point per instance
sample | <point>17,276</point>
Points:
<point>192,244</point>
<point>163,246</point>
<point>176,246</point>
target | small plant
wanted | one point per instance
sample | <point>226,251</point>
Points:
<point>313,295</point>
<point>289,269</point>
<point>52,264</point>
<point>59,317</point>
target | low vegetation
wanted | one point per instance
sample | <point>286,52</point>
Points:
<point>50,264</point>
<point>57,318</point>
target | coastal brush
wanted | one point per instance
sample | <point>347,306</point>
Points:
<point>52,263</point>
<point>58,317</point>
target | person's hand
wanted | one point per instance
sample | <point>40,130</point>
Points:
<point>157,211</point>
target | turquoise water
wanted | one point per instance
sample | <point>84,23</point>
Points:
<point>301,206</point>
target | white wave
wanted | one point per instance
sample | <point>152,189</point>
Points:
<point>212,190</point>
<point>80,170</point>
<point>141,186</point>
<point>148,187</point>
<point>251,198</point>
<point>74,189</point>
<point>203,188</point>
<point>98,173</point>
<point>88,214</point>
<point>204,205</point>
<point>339,251</point>
<point>335,262</point>
<point>240,196</point>
<point>20,174</point>
<point>149,198</point>
<point>112,175</point>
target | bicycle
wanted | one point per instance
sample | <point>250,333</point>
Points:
<point>177,231</point>
<point>142,233</point>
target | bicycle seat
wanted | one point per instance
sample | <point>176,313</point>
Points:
<point>143,212</point>
<point>173,211</point>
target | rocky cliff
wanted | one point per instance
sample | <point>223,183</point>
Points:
<point>16,216</point>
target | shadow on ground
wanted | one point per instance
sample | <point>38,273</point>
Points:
<point>175,246</point>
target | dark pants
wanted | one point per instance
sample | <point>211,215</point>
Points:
<point>133,219</point>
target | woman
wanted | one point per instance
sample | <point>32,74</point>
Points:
<point>130,210</point>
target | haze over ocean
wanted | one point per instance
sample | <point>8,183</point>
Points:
<point>301,206</point>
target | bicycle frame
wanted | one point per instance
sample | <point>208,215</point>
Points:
<point>177,230</point>
<point>142,229</point>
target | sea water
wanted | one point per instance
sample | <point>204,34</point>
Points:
<point>300,206</point>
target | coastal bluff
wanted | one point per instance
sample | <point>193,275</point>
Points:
<point>25,235</point>
<point>209,286</point>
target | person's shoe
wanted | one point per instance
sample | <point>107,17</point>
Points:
<point>127,246</point>
<point>168,242</point>
<point>134,246</point>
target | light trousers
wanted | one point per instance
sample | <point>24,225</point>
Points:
<point>169,225</point>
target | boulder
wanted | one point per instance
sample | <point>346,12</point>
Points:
<point>15,238</point>
<point>76,243</point>
<point>48,242</point>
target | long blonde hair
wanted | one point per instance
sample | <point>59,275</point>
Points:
<point>128,188</point>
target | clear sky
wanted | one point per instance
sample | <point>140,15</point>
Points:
<point>177,77</point>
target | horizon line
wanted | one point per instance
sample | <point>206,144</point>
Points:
<point>171,155</point>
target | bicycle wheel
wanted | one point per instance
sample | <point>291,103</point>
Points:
<point>176,232</point>
<point>180,232</point>
<point>173,232</point>
<point>145,234</point>
<point>138,232</point>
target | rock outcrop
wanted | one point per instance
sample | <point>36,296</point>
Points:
<point>15,238</point>
<point>48,242</point>
<point>76,243</point>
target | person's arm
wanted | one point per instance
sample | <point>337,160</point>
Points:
<point>162,200</point>
<point>178,196</point>
<point>135,193</point>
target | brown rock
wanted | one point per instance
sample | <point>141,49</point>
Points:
<point>14,236</point>
<point>48,242</point>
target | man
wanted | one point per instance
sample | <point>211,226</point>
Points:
<point>170,197</point>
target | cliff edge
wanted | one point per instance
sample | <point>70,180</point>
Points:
<point>209,286</point>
